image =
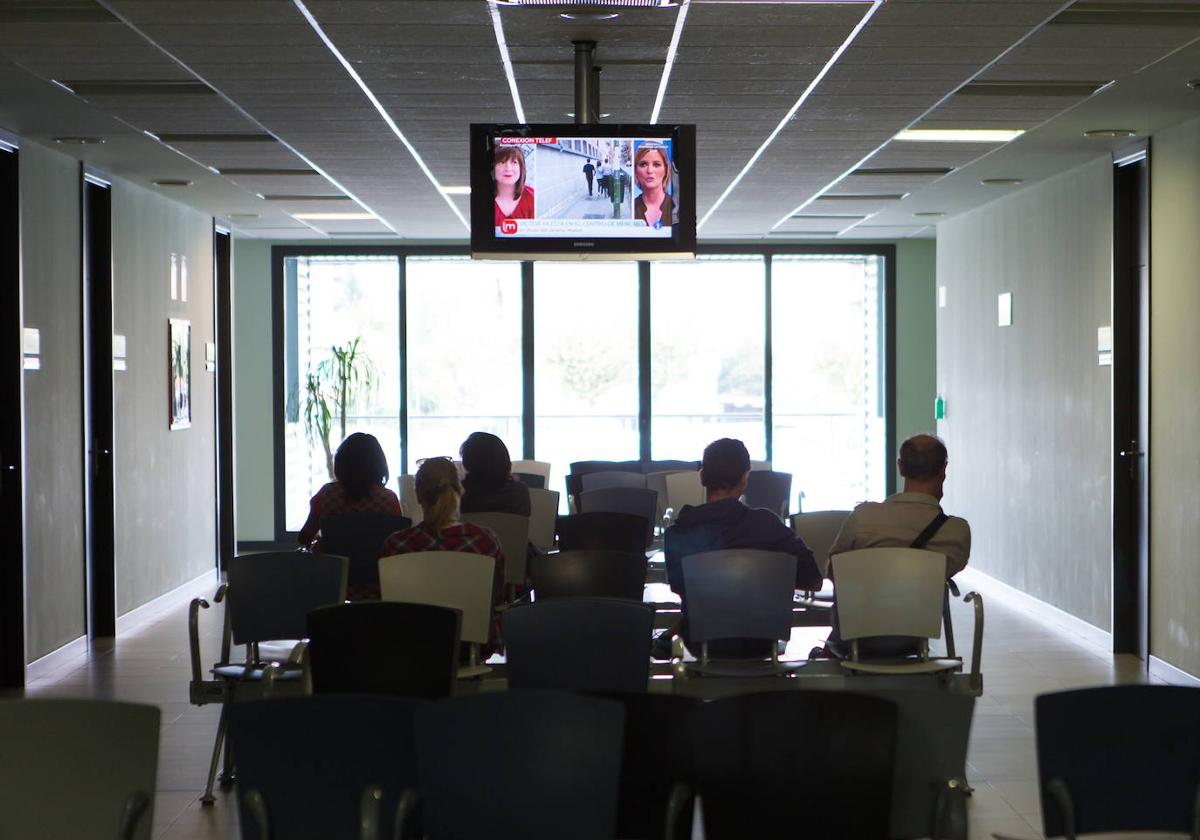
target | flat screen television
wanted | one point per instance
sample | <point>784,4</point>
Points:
<point>581,192</point>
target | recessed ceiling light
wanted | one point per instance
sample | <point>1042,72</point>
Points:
<point>456,190</point>
<point>590,17</point>
<point>333,217</point>
<point>1001,182</point>
<point>959,135</point>
<point>929,214</point>
<point>171,182</point>
<point>79,141</point>
<point>1110,132</point>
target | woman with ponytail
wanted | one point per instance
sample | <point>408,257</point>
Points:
<point>439,492</point>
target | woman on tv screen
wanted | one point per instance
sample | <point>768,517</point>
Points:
<point>652,169</point>
<point>514,200</point>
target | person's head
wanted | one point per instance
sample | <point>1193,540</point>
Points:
<point>485,458</point>
<point>508,170</point>
<point>922,462</point>
<point>360,463</point>
<point>438,492</point>
<point>724,469</point>
<point>651,167</point>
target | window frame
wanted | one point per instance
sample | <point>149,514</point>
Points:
<point>280,253</point>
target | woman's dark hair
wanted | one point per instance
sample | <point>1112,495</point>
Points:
<point>485,458</point>
<point>359,464</point>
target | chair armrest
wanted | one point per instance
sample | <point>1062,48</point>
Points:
<point>410,800</point>
<point>977,645</point>
<point>677,802</point>
<point>226,627</point>
<point>194,635</point>
<point>953,587</point>
<point>136,805</point>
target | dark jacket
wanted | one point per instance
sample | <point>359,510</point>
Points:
<point>510,497</point>
<point>730,524</point>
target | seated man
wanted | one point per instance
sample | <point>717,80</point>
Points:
<point>911,519</point>
<point>725,522</point>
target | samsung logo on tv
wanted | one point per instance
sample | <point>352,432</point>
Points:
<point>585,244</point>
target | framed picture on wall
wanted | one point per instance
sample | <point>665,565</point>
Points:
<point>179,372</point>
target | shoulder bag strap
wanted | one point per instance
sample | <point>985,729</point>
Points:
<point>932,528</point>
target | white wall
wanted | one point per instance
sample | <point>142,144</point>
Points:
<point>1028,421</point>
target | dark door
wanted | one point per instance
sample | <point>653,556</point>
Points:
<point>1131,405</point>
<point>100,490</point>
<point>223,278</point>
<point>12,490</point>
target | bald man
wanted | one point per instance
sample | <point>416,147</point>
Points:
<point>898,520</point>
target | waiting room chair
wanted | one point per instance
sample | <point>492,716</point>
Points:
<point>408,499</point>
<point>684,488</point>
<point>267,599</point>
<point>543,518</point>
<point>359,536</point>
<point>595,573</point>
<point>657,767</point>
<point>636,500</point>
<point>520,765</point>
<point>603,531</point>
<point>769,489</point>
<point>739,594</point>
<point>328,766</point>
<point>384,647</point>
<point>1120,758</point>
<point>897,592</point>
<point>579,644</point>
<point>448,579</point>
<point>798,763</point>
<point>818,529</point>
<point>77,769</point>
<point>513,532</point>
<point>611,478</point>
<point>533,482</point>
<point>532,468</point>
<point>584,467</point>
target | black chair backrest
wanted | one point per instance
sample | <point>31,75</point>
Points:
<point>769,489</point>
<point>831,773</point>
<point>384,647</point>
<point>613,531</point>
<point>520,765</point>
<point>311,758</point>
<point>271,594</point>
<point>669,465</point>
<point>611,478</point>
<point>1128,755</point>
<point>583,467</point>
<point>579,644</point>
<point>739,594</point>
<point>636,500</point>
<point>537,482</point>
<point>658,753</point>
<point>359,536</point>
<point>589,574</point>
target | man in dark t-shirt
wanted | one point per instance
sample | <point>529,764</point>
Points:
<point>589,172</point>
<point>723,521</point>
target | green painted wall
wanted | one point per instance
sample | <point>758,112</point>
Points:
<point>915,367</point>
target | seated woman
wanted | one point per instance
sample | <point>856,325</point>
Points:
<point>489,486</point>
<point>439,492</point>
<point>361,471</point>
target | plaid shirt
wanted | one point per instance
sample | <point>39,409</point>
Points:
<point>333,499</point>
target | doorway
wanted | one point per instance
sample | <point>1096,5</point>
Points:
<point>223,298</point>
<point>12,438</point>
<point>1131,403</point>
<point>98,433</point>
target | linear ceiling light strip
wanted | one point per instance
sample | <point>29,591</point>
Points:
<point>866,18</point>
<point>506,60</point>
<point>374,100</point>
<point>240,110</point>
<point>670,63</point>
<point>1003,54</point>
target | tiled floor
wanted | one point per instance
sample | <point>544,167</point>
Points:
<point>1024,655</point>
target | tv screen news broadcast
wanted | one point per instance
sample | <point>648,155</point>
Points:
<point>574,191</point>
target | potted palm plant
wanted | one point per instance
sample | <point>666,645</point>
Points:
<point>341,379</point>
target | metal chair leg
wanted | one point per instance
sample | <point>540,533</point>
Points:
<point>208,798</point>
<point>228,775</point>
